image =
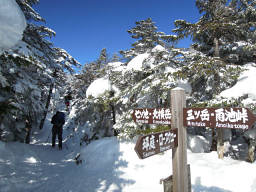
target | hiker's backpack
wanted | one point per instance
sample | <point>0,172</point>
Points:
<point>58,119</point>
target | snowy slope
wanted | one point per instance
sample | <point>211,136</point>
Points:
<point>112,166</point>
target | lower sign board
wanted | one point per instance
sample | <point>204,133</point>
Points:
<point>152,116</point>
<point>233,118</point>
<point>152,144</point>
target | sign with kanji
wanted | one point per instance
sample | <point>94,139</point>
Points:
<point>152,116</point>
<point>155,143</point>
<point>233,118</point>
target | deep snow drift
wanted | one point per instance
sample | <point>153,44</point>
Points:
<point>12,22</point>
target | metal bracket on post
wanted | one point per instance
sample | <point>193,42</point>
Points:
<point>167,184</point>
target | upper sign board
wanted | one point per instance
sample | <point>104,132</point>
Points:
<point>233,118</point>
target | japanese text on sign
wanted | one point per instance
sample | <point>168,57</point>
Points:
<point>234,118</point>
<point>152,116</point>
<point>155,143</point>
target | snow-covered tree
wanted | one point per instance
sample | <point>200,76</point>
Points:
<point>221,36</point>
<point>28,72</point>
<point>221,29</point>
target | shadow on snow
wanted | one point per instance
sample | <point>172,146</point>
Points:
<point>105,171</point>
<point>198,187</point>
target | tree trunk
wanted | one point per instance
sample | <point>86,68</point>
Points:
<point>113,113</point>
<point>46,106</point>
<point>28,124</point>
<point>251,150</point>
<point>216,48</point>
<point>220,144</point>
<point>214,141</point>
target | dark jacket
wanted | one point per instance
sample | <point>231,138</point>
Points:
<point>58,120</point>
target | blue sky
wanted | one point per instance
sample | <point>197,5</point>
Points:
<point>84,27</point>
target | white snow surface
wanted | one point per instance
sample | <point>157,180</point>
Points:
<point>158,48</point>
<point>99,87</point>
<point>12,24</point>
<point>136,63</point>
<point>111,165</point>
<point>245,84</point>
<point>117,66</point>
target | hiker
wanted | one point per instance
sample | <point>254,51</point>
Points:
<point>67,98</point>
<point>58,121</point>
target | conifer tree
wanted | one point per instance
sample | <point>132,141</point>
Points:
<point>147,36</point>
<point>95,69</point>
<point>223,22</point>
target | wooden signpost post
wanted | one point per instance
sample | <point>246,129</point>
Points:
<point>179,154</point>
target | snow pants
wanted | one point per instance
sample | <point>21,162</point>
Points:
<point>57,131</point>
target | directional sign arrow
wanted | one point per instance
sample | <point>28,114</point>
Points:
<point>233,118</point>
<point>152,144</point>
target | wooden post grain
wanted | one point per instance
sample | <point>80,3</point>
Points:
<point>179,154</point>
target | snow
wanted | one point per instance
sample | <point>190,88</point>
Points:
<point>198,144</point>
<point>250,134</point>
<point>184,84</point>
<point>111,165</point>
<point>136,63</point>
<point>158,48</point>
<point>178,89</point>
<point>99,87</point>
<point>245,84</point>
<point>117,66</point>
<point>12,22</point>
<point>241,43</point>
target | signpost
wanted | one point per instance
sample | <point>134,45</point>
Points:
<point>179,118</point>
<point>232,118</point>
<point>152,116</point>
<point>175,138</point>
<point>155,143</point>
